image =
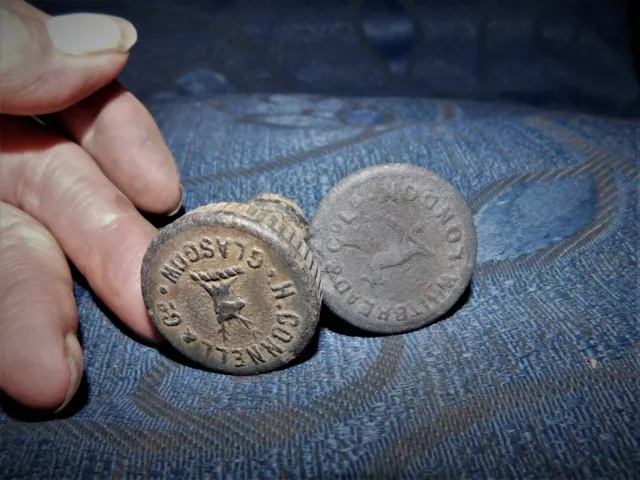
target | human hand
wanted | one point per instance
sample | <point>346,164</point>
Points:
<point>70,190</point>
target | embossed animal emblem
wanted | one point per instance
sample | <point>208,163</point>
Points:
<point>395,254</point>
<point>227,306</point>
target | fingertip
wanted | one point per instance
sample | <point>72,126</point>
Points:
<point>73,352</point>
<point>143,324</point>
<point>128,303</point>
<point>122,136</point>
<point>142,327</point>
<point>153,335</point>
<point>37,309</point>
<point>159,191</point>
<point>180,202</point>
<point>139,320</point>
<point>158,188</point>
<point>47,377</point>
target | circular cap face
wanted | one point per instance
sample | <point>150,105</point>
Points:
<point>230,293</point>
<point>397,245</point>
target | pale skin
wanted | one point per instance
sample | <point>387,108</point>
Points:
<point>71,196</point>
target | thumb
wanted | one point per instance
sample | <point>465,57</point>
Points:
<point>49,63</point>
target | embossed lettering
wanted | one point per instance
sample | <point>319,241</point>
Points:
<point>430,200</point>
<point>352,298</point>
<point>292,317</point>
<point>238,357</point>
<point>283,290</point>
<point>179,262</point>
<point>255,355</point>
<point>206,244</point>
<point>384,313</point>
<point>282,334</point>
<point>256,259</point>
<point>332,268</point>
<point>208,348</point>
<point>458,255</point>
<point>191,252</point>
<point>390,193</point>
<point>347,218</point>
<point>251,210</point>
<point>172,320</point>
<point>401,313</point>
<point>222,247</point>
<point>272,221</point>
<point>171,273</point>
<point>446,282</point>
<point>454,234</point>
<point>431,293</point>
<point>271,347</point>
<point>296,240</point>
<point>223,351</point>
<point>188,336</point>
<point>336,227</point>
<point>415,311</point>
<point>366,307</point>
<point>260,214</point>
<point>444,215</point>
<point>341,285</point>
<point>170,317</point>
<point>355,200</point>
<point>241,246</point>
<point>288,232</point>
<point>333,245</point>
<point>411,193</point>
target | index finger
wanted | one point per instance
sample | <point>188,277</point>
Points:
<point>123,138</point>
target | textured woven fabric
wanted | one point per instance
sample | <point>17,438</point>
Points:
<point>533,374</point>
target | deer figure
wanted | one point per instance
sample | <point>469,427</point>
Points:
<point>227,306</point>
<point>395,254</point>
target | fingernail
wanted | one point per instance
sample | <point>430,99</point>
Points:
<point>83,33</point>
<point>179,204</point>
<point>73,349</point>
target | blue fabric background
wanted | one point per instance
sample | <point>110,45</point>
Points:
<point>527,108</point>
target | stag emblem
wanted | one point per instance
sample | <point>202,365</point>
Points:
<point>396,254</point>
<point>227,305</point>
